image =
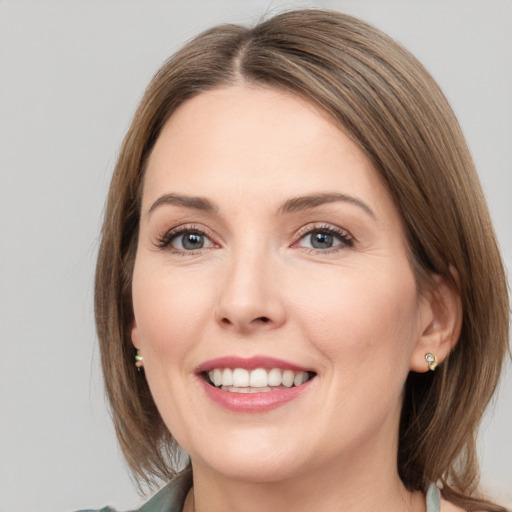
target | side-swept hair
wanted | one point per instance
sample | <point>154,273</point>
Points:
<point>384,99</point>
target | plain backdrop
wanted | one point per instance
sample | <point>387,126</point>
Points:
<point>72,73</point>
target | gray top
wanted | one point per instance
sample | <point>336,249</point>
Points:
<point>172,497</point>
<point>433,499</point>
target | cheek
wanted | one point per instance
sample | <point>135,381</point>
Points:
<point>170,314</point>
<point>363,320</point>
<point>169,311</point>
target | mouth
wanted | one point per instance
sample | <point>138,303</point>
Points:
<point>256,384</point>
<point>257,380</point>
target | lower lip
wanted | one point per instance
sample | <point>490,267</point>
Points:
<point>253,402</point>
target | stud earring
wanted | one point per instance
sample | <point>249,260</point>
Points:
<point>139,360</point>
<point>432,361</point>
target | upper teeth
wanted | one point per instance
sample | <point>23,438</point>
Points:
<point>258,378</point>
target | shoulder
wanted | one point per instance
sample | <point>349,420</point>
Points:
<point>169,499</point>
<point>104,509</point>
<point>436,503</point>
<point>446,506</point>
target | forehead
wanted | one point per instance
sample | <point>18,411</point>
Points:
<point>256,142</point>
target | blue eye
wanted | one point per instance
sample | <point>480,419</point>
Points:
<point>325,238</point>
<point>185,240</point>
<point>189,241</point>
<point>321,240</point>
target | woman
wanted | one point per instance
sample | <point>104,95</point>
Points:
<point>298,281</point>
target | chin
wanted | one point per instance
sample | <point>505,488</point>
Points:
<point>259,470</point>
<point>253,462</point>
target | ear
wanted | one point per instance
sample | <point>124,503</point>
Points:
<point>440,323</point>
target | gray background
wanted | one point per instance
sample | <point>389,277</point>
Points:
<point>72,73</point>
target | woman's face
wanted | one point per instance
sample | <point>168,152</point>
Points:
<point>270,252</point>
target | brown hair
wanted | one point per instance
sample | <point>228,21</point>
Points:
<point>384,99</point>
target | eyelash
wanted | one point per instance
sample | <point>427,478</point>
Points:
<point>347,241</point>
<point>164,241</point>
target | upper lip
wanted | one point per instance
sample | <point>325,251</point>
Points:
<point>250,363</point>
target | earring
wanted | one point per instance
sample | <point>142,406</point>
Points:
<point>139,360</point>
<point>432,361</point>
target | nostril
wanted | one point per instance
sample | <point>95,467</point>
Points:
<point>260,319</point>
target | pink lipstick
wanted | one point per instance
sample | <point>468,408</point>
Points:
<point>255,384</point>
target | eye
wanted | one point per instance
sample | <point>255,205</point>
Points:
<point>324,239</point>
<point>185,239</point>
<point>190,241</point>
<point>319,240</point>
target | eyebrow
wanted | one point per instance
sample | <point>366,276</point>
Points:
<point>195,203</point>
<point>312,201</point>
<point>291,205</point>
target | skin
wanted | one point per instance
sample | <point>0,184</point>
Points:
<point>351,313</point>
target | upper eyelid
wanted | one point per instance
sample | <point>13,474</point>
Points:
<point>163,240</point>
<point>319,226</point>
<point>344,236</point>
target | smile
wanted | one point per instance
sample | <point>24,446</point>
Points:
<point>258,380</point>
<point>256,384</point>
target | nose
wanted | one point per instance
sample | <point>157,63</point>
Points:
<point>250,296</point>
